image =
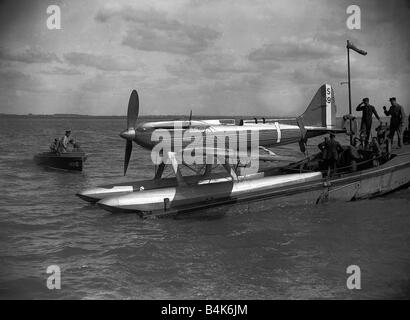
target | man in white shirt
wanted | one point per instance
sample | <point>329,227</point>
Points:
<point>65,141</point>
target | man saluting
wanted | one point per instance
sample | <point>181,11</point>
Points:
<point>367,113</point>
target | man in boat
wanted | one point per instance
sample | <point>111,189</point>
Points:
<point>408,123</point>
<point>322,147</point>
<point>54,146</point>
<point>382,138</point>
<point>375,148</point>
<point>331,149</point>
<point>322,156</point>
<point>397,120</point>
<point>367,115</point>
<point>406,134</point>
<point>64,142</point>
<point>381,131</point>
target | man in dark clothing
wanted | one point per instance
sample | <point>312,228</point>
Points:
<point>330,152</point>
<point>54,146</point>
<point>367,114</point>
<point>397,120</point>
<point>408,127</point>
<point>323,147</point>
<point>406,134</point>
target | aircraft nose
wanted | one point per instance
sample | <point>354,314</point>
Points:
<point>128,134</point>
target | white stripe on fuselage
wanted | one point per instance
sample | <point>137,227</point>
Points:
<point>278,127</point>
<point>221,127</point>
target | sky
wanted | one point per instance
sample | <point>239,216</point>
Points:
<point>214,57</point>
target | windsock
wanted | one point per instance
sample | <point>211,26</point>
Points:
<point>352,46</point>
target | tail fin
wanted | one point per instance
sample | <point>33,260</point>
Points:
<point>321,111</point>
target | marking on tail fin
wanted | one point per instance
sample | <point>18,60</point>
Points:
<point>328,106</point>
<point>277,125</point>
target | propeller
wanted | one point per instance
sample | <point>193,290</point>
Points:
<point>129,134</point>
<point>133,109</point>
<point>190,118</point>
<point>128,150</point>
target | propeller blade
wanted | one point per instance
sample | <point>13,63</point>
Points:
<point>133,110</point>
<point>128,150</point>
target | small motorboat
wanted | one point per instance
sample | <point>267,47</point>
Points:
<point>67,161</point>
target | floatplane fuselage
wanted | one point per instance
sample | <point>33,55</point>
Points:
<point>272,133</point>
<point>318,119</point>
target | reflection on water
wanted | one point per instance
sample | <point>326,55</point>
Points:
<point>268,253</point>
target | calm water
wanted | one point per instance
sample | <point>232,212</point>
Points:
<point>291,253</point>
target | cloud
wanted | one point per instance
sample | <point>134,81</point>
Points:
<point>101,62</point>
<point>62,71</point>
<point>16,80</point>
<point>223,63</point>
<point>334,71</point>
<point>155,31</point>
<point>31,54</point>
<point>293,49</point>
<point>381,12</point>
<point>11,77</point>
<point>211,66</point>
<point>112,83</point>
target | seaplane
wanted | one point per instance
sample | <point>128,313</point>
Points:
<point>231,144</point>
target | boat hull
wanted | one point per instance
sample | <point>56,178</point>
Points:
<point>67,161</point>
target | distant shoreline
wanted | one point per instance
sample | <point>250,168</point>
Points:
<point>55,116</point>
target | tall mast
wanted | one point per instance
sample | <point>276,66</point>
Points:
<point>350,92</point>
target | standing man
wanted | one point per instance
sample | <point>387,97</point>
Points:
<point>64,142</point>
<point>408,123</point>
<point>367,113</point>
<point>330,153</point>
<point>397,120</point>
<point>406,134</point>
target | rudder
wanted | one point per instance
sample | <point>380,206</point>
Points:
<point>321,111</point>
